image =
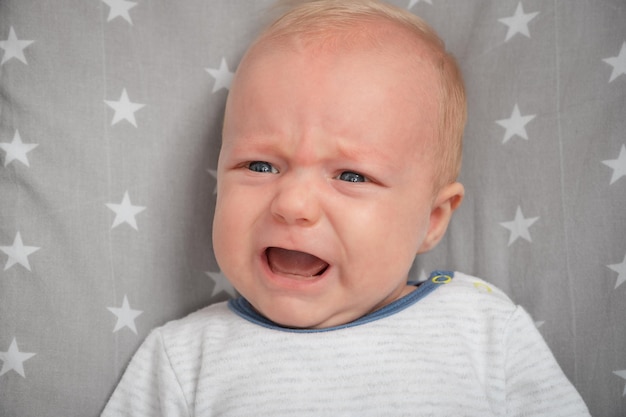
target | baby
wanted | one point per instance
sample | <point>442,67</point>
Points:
<point>341,148</point>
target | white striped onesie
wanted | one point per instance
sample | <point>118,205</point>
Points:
<point>452,347</point>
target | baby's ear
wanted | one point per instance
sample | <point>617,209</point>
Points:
<point>448,199</point>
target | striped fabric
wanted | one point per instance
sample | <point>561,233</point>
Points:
<point>463,350</point>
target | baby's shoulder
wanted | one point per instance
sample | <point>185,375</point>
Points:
<point>462,289</point>
<point>473,306</point>
<point>214,319</point>
<point>471,285</point>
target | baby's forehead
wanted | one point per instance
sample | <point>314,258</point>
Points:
<point>387,44</point>
<point>331,57</point>
<point>365,45</point>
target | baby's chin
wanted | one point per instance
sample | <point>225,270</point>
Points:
<point>306,318</point>
<point>299,314</point>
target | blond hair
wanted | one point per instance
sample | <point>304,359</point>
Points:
<point>321,20</point>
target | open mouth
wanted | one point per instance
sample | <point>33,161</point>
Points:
<point>295,263</point>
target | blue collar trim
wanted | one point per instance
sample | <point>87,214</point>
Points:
<point>244,309</point>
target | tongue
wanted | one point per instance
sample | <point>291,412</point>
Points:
<point>284,261</point>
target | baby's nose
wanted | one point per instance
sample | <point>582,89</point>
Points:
<point>296,201</point>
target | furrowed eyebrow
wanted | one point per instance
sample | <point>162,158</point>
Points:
<point>256,145</point>
<point>363,153</point>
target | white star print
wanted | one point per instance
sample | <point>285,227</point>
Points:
<point>17,150</point>
<point>125,212</point>
<point>618,63</point>
<point>14,359</point>
<point>125,316</point>
<point>223,76</point>
<point>14,48</point>
<point>221,284</point>
<point>518,23</point>
<point>519,226</point>
<point>414,2</point>
<point>422,276</point>
<point>213,173</point>
<point>618,165</point>
<point>515,125</point>
<point>621,272</point>
<point>18,253</point>
<point>124,109</point>
<point>622,374</point>
<point>119,8</point>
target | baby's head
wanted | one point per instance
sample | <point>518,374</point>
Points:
<point>343,25</point>
<point>340,151</point>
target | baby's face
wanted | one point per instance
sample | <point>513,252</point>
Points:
<point>325,182</point>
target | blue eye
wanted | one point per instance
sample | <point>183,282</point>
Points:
<point>352,177</point>
<point>261,166</point>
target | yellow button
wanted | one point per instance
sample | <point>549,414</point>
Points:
<point>441,279</point>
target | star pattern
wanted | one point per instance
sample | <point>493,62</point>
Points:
<point>120,8</point>
<point>213,173</point>
<point>124,109</point>
<point>13,359</point>
<point>621,272</point>
<point>414,2</point>
<point>518,23</point>
<point>125,316</point>
<point>515,125</point>
<point>18,253</point>
<point>14,48</point>
<point>618,63</point>
<point>223,76</point>
<point>519,226</point>
<point>422,276</point>
<point>618,165</point>
<point>25,192</point>
<point>125,212</point>
<point>17,150</point>
<point>221,284</point>
<point>622,374</point>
